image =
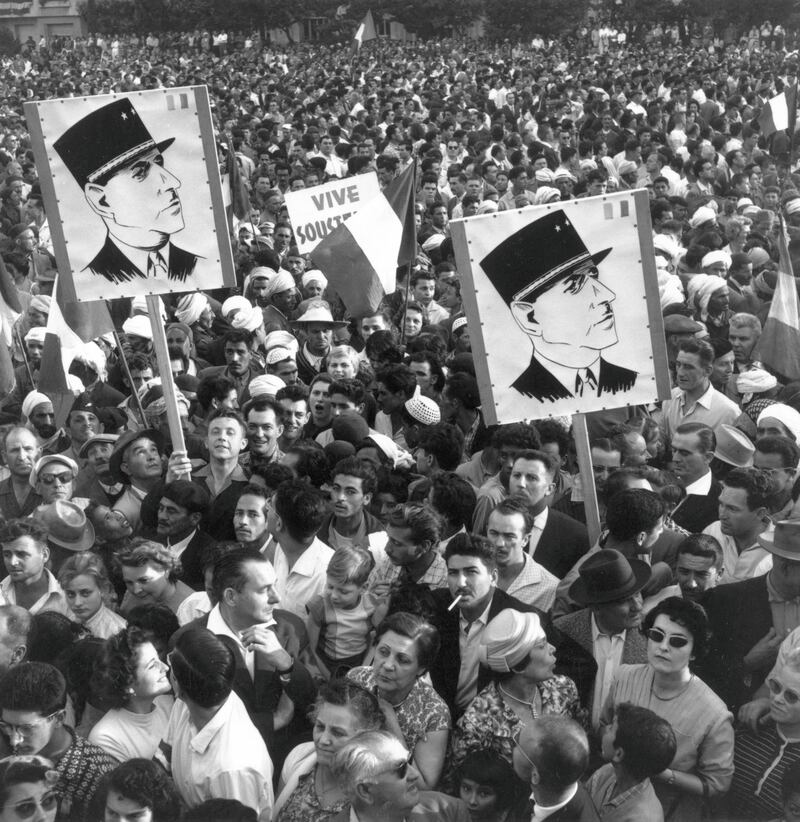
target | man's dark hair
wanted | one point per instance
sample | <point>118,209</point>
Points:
<point>705,434</point>
<point>399,377</point>
<point>464,388</point>
<point>756,484</point>
<point>146,783</point>
<point>33,686</point>
<point>203,666</point>
<point>704,546</point>
<point>517,435</point>
<point>516,504</point>
<point>15,528</point>
<point>453,498</point>
<point>301,507</point>
<point>786,449</point>
<point>549,463</point>
<point>552,431</point>
<point>354,467</point>
<point>264,404</point>
<point>214,387</point>
<point>293,393</point>
<point>472,545</point>
<point>238,335</point>
<point>312,462</point>
<point>699,347</point>
<point>230,414</point>
<point>443,441</point>
<point>230,570</point>
<point>632,511</point>
<point>189,495</point>
<point>560,752</point>
<point>273,474</point>
<point>353,389</point>
<point>647,740</point>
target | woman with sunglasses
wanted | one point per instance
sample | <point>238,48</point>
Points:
<point>677,634</point>
<point>761,759</point>
<point>28,789</point>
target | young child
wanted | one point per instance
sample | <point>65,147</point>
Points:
<point>340,621</point>
<point>488,786</point>
<point>638,744</point>
<point>88,591</point>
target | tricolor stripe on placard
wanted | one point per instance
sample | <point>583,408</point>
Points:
<point>360,256</point>
<point>778,112</point>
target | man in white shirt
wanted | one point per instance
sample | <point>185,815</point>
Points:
<point>743,516</point>
<point>210,745</point>
<point>295,515</point>
<point>605,631</point>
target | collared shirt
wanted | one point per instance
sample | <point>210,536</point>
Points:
<point>469,639</point>
<point>607,652</point>
<point>712,408</point>
<point>306,578</point>
<point>534,585</point>
<point>701,486</point>
<point>568,376</point>
<point>204,473</point>
<point>639,802</point>
<point>385,570</point>
<point>785,612</point>
<point>753,561</point>
<point>226,758</point>
<point>52,600</point>
<point>541,812</point>
<point>141,257</point>
<point>313,360</point>
<point>105,623</point>
<point>177,548</point>
<point>217,625</point>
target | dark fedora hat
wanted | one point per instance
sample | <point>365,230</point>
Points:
<point>608,576</point>
<point>104,141</point>
<point>537,256</point>
<point>118,454</point>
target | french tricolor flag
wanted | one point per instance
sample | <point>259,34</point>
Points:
<point>779,112</point>
<point>361,255</point>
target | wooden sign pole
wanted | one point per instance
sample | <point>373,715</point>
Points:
<point>584,453</point>
<point>164,370</point>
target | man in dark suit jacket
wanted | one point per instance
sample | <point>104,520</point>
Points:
<point>693,445</point>
<point>537,381</point>
<point>472,576</point>
<point>275,687</point>
<point>562,543</point>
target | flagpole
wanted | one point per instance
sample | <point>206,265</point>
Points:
<point>127,372</point>
<point>793,125</point>
<point>21,344</point>
<point>411,264</point>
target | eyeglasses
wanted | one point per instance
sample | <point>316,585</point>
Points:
<point>400,770</point>
<point>28,807</point>
<point>776,689</point>
<point>657,635</point>
<point>25,730</point>
<point>50,479</point>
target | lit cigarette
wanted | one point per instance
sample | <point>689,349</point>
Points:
<point>455,602</point>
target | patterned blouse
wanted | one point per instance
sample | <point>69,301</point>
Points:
<point>489,723</point>
<point>421,712</point>
<point>304,804</point>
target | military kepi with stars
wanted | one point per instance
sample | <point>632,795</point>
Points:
<point>536,257</point>
<point>104,141</point>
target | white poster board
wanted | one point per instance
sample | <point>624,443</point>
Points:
<point>316,211</point>
<point>132,191</point>
<point>562,306</point>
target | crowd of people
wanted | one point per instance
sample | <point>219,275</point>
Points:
<point>347,597</point>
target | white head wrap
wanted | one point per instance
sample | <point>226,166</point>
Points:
<point>190,307</point>
<point>784,414</point>
<point>268,384</point>
<point>139,326</point>
<point>249,318</point>
<point>700,289</point>
<point>237,303</point>
<point>314,276</point>
<point>546,194</point>
<point>716,257</point>
<point>31,401</point>
<point>282,281</point>
<point>36,334</point>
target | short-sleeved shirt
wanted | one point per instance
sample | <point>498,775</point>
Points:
<point>344,631</point>
<point>420,713</point>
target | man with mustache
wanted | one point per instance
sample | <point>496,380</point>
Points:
<point>120,169</point>
<point>555,296</point>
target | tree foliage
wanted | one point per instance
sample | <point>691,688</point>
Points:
<point>522,19</point>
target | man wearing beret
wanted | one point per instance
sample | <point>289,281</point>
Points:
<point>550,282</point>
<point>120,168</point>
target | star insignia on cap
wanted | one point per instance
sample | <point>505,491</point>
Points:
<point>124,116</point>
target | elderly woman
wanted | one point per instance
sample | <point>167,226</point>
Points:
<point>515,647</point>
<point>382,784</point>
<point>405,647</point>
<point>677,633</point>
<point>28,789</point>
<point>307,791</point>
<point>762,759</point>
<point>134,682</point>
<point>138,789</point>
<point>150,572</point>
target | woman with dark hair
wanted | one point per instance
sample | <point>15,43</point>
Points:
<point>151,574</point>
<point>307,791</point>
<point>28,789</point>
<point>405,647</point>
<point>133,681</point>
<point>137,789</point>
<point>488,785</point>
<point>677,634</point>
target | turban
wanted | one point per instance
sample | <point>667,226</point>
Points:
<point>190,307</point>
<point>793,206</point>
<point>565,174</point>
<point>314,276</point>
<point>626,167</point>
<point>92,355</point>
<point>508,638</point>
<point>716,257</point>
<point>262,272</point>
<point>249,318</point>
<point>265,384</point>
<point>139,326</point>
<point>784,414</point>
<point>667,244</point>
<point>282,281</point>
<point>487,207</point>
<point>433,242</point>
<point>544,175</point>
<point>139,306</point>
<point>546,194</point>
<point>704,214</point>
<point>754,381</point>
<point>701,288</point>
<point>31,401</point>
<point>758,256</point>
<point>41,302</point>
<point>36,334</point>
<point>237,303</point>
<point>284,339</point>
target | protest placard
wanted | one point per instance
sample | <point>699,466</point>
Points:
<point>132,190</point>
<point>315,212</point>
<point>563,307</point>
